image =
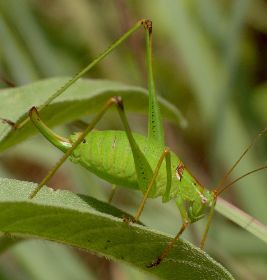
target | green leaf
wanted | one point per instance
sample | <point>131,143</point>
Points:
<point>84,97</point>
<point>41,264</point>
<point>241,218</point>
<point>89,224</point>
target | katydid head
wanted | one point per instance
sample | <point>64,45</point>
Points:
<point>198,199</point>
<point>201,205</point>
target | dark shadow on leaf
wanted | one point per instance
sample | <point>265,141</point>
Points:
<point>103,207</point>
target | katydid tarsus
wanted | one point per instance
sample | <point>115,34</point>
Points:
<point>135,161</point>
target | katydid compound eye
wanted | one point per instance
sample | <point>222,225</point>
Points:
<point>179,171</point>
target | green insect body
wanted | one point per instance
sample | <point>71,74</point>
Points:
<point>108,155</point>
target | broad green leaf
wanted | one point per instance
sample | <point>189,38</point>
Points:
<point>89,224</point>
<point>84,97</point>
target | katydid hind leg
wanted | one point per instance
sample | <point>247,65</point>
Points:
<point>85,70</point>
<point>142,168</point>
<point>155,132</point>
<point>155,125</point>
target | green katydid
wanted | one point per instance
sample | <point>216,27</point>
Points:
<point>132,160</point>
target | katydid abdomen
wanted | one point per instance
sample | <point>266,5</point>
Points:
<point>108,155</point>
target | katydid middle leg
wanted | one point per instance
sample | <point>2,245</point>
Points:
<point>165,155</point>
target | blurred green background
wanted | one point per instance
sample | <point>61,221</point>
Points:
<point>209,60</point>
